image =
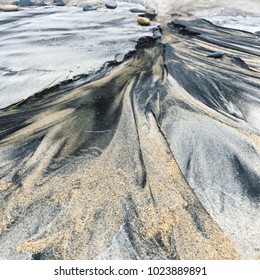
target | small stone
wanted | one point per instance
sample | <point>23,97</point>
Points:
<point>25,3</point>
<point>110,4</point>
<point>9,8</point>
<point>216,54</point>
<point>151,16</point>
<point>143,21</point>
<point>58,3</point>
<point>137,11</point>
<point>40,4</point>
<point>89,8</point>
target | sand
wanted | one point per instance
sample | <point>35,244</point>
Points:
<point>155,156</point>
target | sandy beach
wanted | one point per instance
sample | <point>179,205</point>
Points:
<point>127,141</point>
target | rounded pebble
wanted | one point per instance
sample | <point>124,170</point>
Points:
<point>25,3</point>
<point>58,3</point>
<point>143,21</point>
<point>134,10</point>
<point>111,4</point>
<point>89,8</point>
<point>216,54</point>
<point>9,8</point>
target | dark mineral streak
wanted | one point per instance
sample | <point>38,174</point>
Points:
<point>153,158</point>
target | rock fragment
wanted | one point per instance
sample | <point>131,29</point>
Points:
<point>25,3</point>
<point>137,11</point>
<point>151,16</point>
<point>9,8</point>
<point>143,21</point>
<point>88,8</point>
<point>216,54</point>
<point>40,4</point>
<point>111,4</point>
<point>58,3</point>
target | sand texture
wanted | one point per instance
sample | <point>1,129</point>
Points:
<point>154,157</point>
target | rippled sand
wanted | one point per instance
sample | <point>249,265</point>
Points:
<point>153,158</point>
<point>41,47</point>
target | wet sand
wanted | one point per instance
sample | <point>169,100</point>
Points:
<point>43,46</point>
<point>156,157</point>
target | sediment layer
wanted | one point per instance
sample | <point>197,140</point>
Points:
<point>154,158</point>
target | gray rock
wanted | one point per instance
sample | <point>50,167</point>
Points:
<point>25,3</point>
<point>89,8</point>
<point>216,54</point>
<point>151,16</point>
<point>58,3</point>
<point>137,11</point>
<point>40,4</point>
<point>111,4</point>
